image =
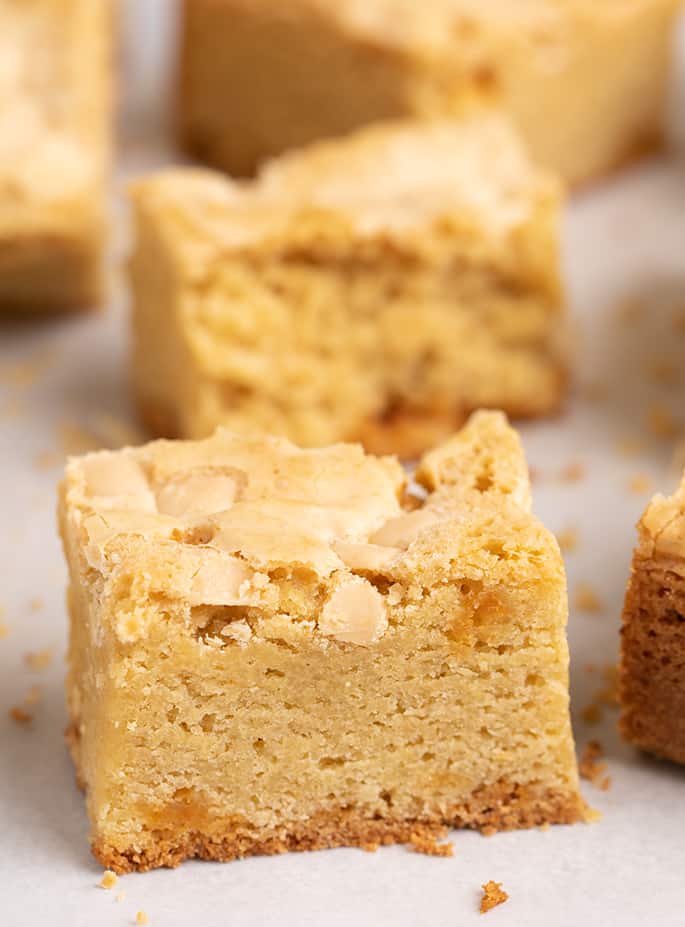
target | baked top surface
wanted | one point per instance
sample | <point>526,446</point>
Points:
<point>211,522</point>
<point>52,112</point>
<point>662,527</point>
<point>395,178</point>
<point>450,23</point>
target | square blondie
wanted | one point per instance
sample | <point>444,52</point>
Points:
<point>375,288</point>
<point>280,649</point>
<point>652,671</point>
<point>55,112</point>
<point>586,80</point>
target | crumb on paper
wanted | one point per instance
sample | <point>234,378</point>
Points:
<point>640,484</point>
<point>20,715</point>
<point>142,918</point>
<point>39,659</point>
<point>429,846</point>
<point>34,695</point>
<point>661,422</point>
<point>567,539</point>
<point>593,767</point>
<point>120,896</point>
<point>595,391</point>
<point>586,599</point>
<point>630,309</point>
<point>630,446</point>
<point>573,472</point>
<point>36,604</point>
<point>25,373</point>
<point>4,630</point>
<point>108,880</point>
<point>606,696</point>
<point>664,371</point>
<point>493,895</point>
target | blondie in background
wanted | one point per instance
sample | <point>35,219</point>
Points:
<point>63,387</point>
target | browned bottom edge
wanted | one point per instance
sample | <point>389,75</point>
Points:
<point>404,431</point>
<point>495,808</point>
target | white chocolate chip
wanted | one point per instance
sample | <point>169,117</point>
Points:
<point>401,531</point>
<point>354,613</point>
<point>118,482</point>
<point>200,491</point>
<point>371,557</point>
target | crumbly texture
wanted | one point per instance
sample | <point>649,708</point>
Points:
<point>585,80</point>
<point>108,880</point>
<point>652,670</point>
<point>493,895</point>
<point>55,111</point>
<point>373,289</point>
<point>377,665</point>
<point>593,767</point>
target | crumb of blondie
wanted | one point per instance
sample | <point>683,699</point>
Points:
<point>493,895</point>
<point>593,767</point>
<point>108,880</point>
<point>4,630</point>
<point>663,371</point>
<point>39,659</point>
<point>142,918</point>
<point>567,540</point>
<point>20,715</point>
<point>592,713</point>
<point>640,484</point>
<point>545,826</point>
<point>606,696</point>
<point>661,422</point>
<point>33,696</point>
<point>630,446</point>
<point>36,604</point>
<point>573,472</point>
<point>586,599</point>
<point>429,846</point>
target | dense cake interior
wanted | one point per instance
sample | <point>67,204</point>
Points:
<point>278,648</point>
<point>332,299</point>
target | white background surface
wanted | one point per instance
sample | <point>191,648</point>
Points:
<point>625,243</point>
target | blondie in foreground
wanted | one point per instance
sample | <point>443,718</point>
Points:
<point>280,649</point>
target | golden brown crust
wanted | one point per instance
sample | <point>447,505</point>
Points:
<point>652,671</point>
<point>494,808</point>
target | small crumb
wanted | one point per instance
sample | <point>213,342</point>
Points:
<point>39,659</point>
<point>4,630</point>
<point>573,472</point>
<point>33,696</point>
<point>663,372</point>
<point>493,895</point>
<point>661,423</point>
<point>20,715</point>
<point>108,880</point>
<point>567,540</point>
<point>630,310</point>
<point>592,713</point>
<point>586,599</point>
<point>429,846</point>
<point>36,604</point>
<point>640,484</point>
<point>630,446</point>
<point>593,767</point>
<point>594,391</point>
<point>370,846</point>
<point>120,896</point>
<point>142,918</point>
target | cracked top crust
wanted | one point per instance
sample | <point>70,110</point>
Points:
<point>662,529</point>
<point>220,522</point>
<point>387,180</point>
<point>54,88</point>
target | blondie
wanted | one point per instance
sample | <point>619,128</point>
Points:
<point>274,648</point>
<point>586,80</point>
<point>55,110</point>
<point>375,288</point>
<point>652,675</point>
